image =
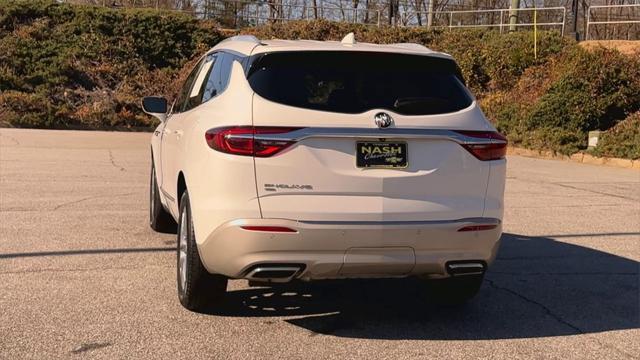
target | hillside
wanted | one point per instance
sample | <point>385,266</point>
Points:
<point>627,47</point>
<point>64,66</point>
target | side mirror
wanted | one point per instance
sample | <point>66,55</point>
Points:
<point>155,106</point>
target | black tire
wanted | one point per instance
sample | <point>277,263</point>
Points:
<point>453,291</point>
<point>159,219</point>
<point>199,289</point>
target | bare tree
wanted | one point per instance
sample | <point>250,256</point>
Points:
<point>275,9</point>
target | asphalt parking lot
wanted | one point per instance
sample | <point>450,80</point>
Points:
<point>83,275</point>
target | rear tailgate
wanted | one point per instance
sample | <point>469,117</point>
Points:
<point>318,177</point>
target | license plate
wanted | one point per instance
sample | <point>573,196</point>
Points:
<point>381,154</point>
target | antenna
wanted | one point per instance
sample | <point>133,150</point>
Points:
<point>349,39</point>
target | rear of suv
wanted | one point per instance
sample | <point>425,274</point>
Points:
<point>286,160</point>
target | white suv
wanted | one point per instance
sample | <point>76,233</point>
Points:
<point>284,160</point>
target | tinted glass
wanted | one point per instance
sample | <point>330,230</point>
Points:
<point>210,87</point>
<point>183,96</point>
<point>218,78</point>
<point>225,70</point>
<point>355,82</point>
<point>154,104</point>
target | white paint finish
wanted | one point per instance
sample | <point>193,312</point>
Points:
<point>442,181</point>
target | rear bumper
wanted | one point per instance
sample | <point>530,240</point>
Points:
<point>327,250</point>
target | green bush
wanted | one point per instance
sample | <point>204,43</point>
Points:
<point>65,65</point>
<point>89,65</point>
<point>622,140</point>
<point>577,91</point>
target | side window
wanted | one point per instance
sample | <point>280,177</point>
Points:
<point>219,77</point>
<point>207,80</point>
<point>208,67</point>
<point>209,88</point>
<point>225,71</point>
<point>183,95</point>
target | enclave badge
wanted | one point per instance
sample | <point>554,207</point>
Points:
<point>383,120</point>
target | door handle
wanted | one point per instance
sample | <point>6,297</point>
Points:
<point>178,132</point>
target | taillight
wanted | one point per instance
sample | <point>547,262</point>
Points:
<point>494,150</point>
<point>241,140</point>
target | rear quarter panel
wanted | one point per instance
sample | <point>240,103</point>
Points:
<point>221,186</point>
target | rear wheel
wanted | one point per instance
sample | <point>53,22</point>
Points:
<point>453,290</point>
<point>159,219</point>
<point>197,288</point>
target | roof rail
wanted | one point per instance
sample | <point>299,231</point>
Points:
<point>246,38</point>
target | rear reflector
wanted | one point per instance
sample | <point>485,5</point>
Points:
<point>270,229</point>
<point>240,140</point>
<point>477,227</point>
<point>495,150</point>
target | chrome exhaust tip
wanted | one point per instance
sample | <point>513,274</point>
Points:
<point>273,273</point>
<point>459,268</point>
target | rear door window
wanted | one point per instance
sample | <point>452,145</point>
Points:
<point>354,82</point>
<point>184,94</point>
<point>217,78</point>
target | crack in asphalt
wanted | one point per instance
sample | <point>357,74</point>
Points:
<point>113,162</point>
<point>556,317</point>
<point>540,305</point>
<point>90,346</point>
<point>565,185</point>
<point>593,191</point>
<point>88,198</point>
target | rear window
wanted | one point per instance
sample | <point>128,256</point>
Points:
<point>355,82</point>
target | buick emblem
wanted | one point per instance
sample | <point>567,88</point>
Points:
<point>383,120</point>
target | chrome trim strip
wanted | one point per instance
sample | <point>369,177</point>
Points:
<point>264,268</point>
<point>466,266</point>
<point>469,273</point>
<point>370,133</point>
<point>479,220</point>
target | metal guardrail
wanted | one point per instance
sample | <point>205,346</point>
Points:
<point>501,24</point>
<point>624,6</point>
<point>242,13</point>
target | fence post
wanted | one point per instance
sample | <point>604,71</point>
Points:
<point>450,20</point>
<point>535,33</point>
<point>513,14</point>
<point>586,36</point>
<point>575,18</point>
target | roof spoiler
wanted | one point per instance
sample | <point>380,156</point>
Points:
<point>245,38</point>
